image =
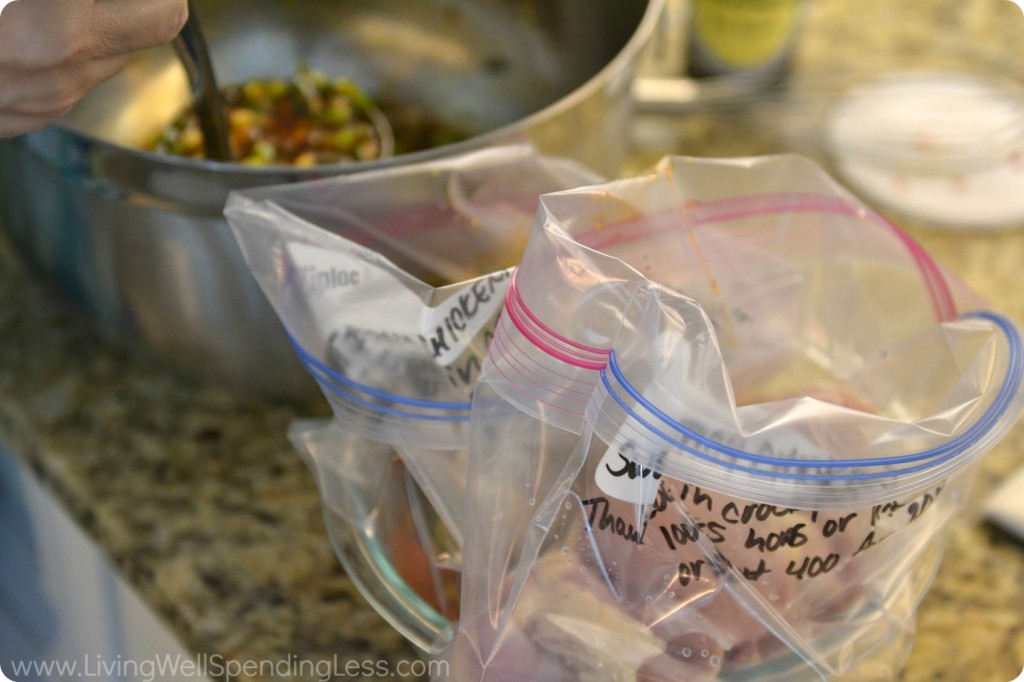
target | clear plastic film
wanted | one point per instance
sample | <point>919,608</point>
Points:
<point>389,284</point>
<point>754,480</point>
<point>690,537</point>
<point>387,535</point>
<point>912,415</point>
<point>731,233</point>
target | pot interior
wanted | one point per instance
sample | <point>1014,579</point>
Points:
<point>476,65</point>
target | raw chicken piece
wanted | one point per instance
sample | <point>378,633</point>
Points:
<point>566,627</point>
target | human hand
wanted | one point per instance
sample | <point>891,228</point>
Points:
<point>52,52</point>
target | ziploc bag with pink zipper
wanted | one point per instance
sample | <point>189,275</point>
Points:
<point>388,283</point>
<point>748,481</point>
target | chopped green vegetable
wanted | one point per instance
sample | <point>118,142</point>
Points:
<point>306,121</point>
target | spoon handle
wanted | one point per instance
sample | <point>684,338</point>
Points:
<point>195,57</point>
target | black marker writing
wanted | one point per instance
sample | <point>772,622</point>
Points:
<point>680,534</point>
<point>631,469</point>
<point>690,570</point>
<point>731,513</point>
<point>833,526</point>
<point>791,537</point>
<point>696,495</point>
<point>466,306</point>
<point>601,518</point>
<point>812,567</point>
<point>753,574</point>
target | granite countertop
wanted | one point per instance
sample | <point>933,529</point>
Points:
<point>198,498</point>
<point>194,493</point>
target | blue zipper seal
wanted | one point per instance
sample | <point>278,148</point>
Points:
<point>319,369</point>
<point>934,457</point>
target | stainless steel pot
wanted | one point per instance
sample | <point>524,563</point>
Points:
<point>138,239</point>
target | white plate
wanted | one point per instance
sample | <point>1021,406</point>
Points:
<point>947,147</point>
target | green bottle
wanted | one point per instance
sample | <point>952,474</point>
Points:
<point>751,39</point>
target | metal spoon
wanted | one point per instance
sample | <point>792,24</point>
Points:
<point>194,55</point>
<point>191,48</point>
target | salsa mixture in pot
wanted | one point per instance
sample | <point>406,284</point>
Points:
<point>308,120</point>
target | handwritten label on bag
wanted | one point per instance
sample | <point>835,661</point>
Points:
<point>620,477</point>
<point>355,300</point>
<point>448,329</point>
<point>757,539</point>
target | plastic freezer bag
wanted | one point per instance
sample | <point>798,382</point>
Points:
<point>789,265</point>
<point>770,246</point>
<point>802,287</point>
<point>704,528</point>
<point>388,284</point>
<point>367,491</point>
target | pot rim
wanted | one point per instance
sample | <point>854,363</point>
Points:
<point>639,39</point>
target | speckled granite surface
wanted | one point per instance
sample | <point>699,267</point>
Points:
<point>201,502</point>
<point>196,495</point>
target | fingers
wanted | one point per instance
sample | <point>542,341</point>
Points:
<point>16,124</point>
<point>28,103</point>
<point>41,32</point>
<point>52,52</point>
<point>128,25</point>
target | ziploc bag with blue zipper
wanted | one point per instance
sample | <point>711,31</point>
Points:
<point>388,283</point>
<point>748,481</point>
